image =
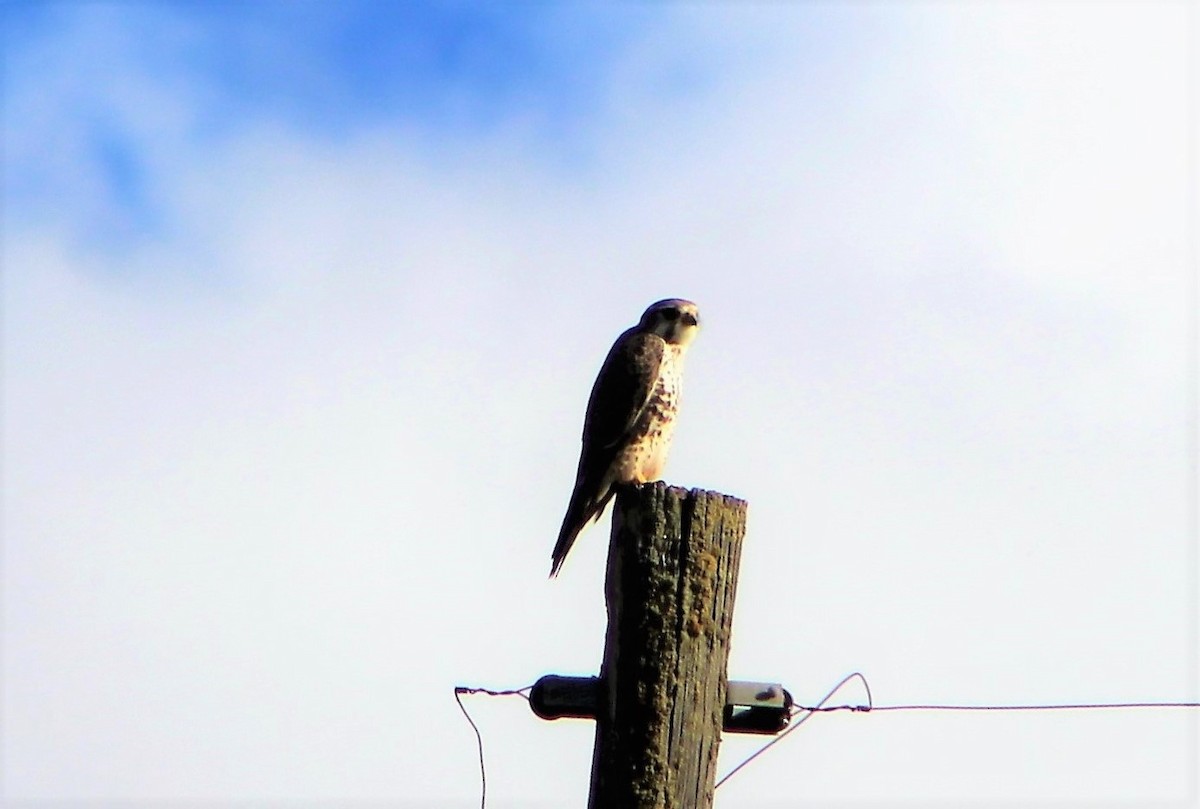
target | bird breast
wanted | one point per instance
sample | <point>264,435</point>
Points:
<point>646,454</point>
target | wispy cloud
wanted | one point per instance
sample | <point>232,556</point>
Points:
<point>107,102</point>
<point>303,302</point>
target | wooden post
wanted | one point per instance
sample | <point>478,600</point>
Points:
<point>672,576</point>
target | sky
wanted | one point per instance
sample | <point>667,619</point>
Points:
<point>302,304</point>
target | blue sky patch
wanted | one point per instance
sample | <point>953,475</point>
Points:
<point>448,71</point>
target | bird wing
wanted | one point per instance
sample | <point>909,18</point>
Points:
<point>618,399</point>
<point>622,389</point>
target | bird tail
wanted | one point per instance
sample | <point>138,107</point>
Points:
<point>580,511</point>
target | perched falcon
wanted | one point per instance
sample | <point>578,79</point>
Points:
<point>630,415</point>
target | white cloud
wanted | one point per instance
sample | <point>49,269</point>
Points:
<point>280,476</point>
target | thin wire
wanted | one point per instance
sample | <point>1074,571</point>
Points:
<point>821,707</point>
<point>1063,707</point>
<point>805,718</point>
<point>479,740</point>
<point>459,690</point>
<point>515,692</point>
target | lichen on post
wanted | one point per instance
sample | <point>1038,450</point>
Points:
<point>671,583</point>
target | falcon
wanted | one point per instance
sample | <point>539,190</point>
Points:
<point>630,414</point>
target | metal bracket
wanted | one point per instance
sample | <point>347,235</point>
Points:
<point>764,708</point>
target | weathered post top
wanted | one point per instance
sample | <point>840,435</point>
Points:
<point>672,577</point>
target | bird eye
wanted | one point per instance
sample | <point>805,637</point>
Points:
<point>670,314</point>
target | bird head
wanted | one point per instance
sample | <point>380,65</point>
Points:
<point>675,320</point>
